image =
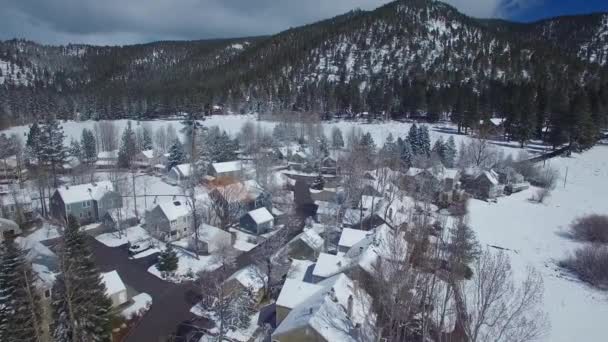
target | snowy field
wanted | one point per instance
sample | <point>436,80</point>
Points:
<point>534,234</point>
<point>233,123</point>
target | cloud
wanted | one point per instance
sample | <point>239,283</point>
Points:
<point>136,21</point>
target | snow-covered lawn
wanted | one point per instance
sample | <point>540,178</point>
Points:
<point>141,304</point>
<point>46,232</point>
<point>115,239</point>
<point>188,266</point>
<point>533,234</point>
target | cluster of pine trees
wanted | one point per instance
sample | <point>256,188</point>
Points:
<point>81,311</point>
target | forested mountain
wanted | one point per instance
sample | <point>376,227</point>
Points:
<point>409,57</point>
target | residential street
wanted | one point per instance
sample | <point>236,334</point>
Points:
<point>171,303</point>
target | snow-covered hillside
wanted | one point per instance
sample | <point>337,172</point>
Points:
<point>533,235</point>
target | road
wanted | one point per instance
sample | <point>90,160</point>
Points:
<point>171,303</point>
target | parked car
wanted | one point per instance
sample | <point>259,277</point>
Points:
<point>139,246</point>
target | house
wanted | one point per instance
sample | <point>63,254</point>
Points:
<point>329,166</point>
<point>179,173</point>
<point>146,159</point>
<point>231,169</point>
<point>258,221</point>
<point>306,245</point>
<point>87,202</point>
<point>351,237</point>
<point>169,221</point>
<point>115,288</point>
<point>486,185</point>
<point>15,204</point>
<point>114,219</point>
<point>107,159</point>
<point>301,270</point>
<point>8,229</point>
<point>250,279</point>
<point>239,198</point>
<point>328,265</point>
<point>337,309</point>
<point>12,168</point>
<point>213,239</point>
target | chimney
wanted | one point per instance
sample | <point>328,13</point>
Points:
<point>349,306</point>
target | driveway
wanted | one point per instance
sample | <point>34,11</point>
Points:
<point>170,305</point>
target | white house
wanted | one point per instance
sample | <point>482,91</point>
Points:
<point>146,159</point>
<point>179,173</point>
<point>214,238</point>
<point>230,169</point>
<point>351,237</point>
<point>15,204</point>
<point>107,159</point>
<point>115,288</point>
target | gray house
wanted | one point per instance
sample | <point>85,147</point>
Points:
<point>169,221</point>
<point>87,202</point>
<point>257,221</point>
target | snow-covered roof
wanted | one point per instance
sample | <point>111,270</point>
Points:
<point>328,265</point>
<point>183,169</point>
<point>19,196</point>
<point>491,176</point>
<point>107,154</point>
<point>44,277</point>
<point>413,171</point>
<point>295,292</point>
<point>312,239</point>
<point>327,208</point>
<point>83,192</point>
<point>497,121</point>
<point>148,154</point>
<point>450,173</point>
<point>261,215</point>
<point>326,311</point>
<point>298,268</point>
<point>383,244</point>
<point>175,209</point>
<point>367,202</point>
<point>213,234</point>
<point>231,166</point>
<point>249,277</point>
<point>350,237</point>
<point>34,249</point>
<point>113,283</point>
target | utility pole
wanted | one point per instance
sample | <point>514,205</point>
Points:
<point>566,177</point>
<point>134,194</point>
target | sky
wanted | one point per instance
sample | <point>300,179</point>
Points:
<point>119,22</point>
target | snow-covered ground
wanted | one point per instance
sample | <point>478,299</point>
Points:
<point>533,233</point>
<point>188,266</point>
<point>233,123</point>
<point>115,239</point>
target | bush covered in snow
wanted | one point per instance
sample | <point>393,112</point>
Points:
<point>590,263</point>
<point>591,228</point>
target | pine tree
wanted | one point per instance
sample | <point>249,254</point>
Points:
<point>449,153</point>
<point>318,183</point>
<point>52,149</point>
<point>75,150</point>
<point>176,154</point>
<point>367,143</point>
<point>439,149</point>
<point>32,143</point>
<point>88,145</point>
<point>167,260</point>
<point>414,140</point>
<point>147,140</point>
<point>424,140</point>
<point>323,146</point>
<point>82,311</point>
<point>20,306</point>
<point>337,141</point>
<point>128,147</point>
<point>390,153</point>
<point>405,152</point>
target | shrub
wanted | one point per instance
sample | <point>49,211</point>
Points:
<point>591,228</point>
<point>590,263</point>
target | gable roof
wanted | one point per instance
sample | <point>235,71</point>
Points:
<point>326,311</point>
<point>83,192</point>
<point>328,265</point>
<point>295,292</point>
<point>312,239</point>
<point>261,215</point>
<point>113,283</point>
<point>491,176</point>
<point>148,154</point>
<point>350,237</point>
<point>174,209</point>
<point>183,169</point>
<point>231,166</point>
<point>249,277</point>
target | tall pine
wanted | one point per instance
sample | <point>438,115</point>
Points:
<point>128,147</point>
<point>52,149</point>
<point>176,154</point>
<point>89,146</point>
<point>81,309</point>
<point>20,306</point>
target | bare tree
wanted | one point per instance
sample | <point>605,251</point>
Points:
<point>107,135</point>
<point>227,201</point>
<point>478,152</point>
<point>171,134</point>
<point>498,309</point>
<point>160,139</point>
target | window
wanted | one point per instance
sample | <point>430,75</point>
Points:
<point>86,204</point>
<point>173,233</point>
<point>47,293</point>
<point>174,222</point>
